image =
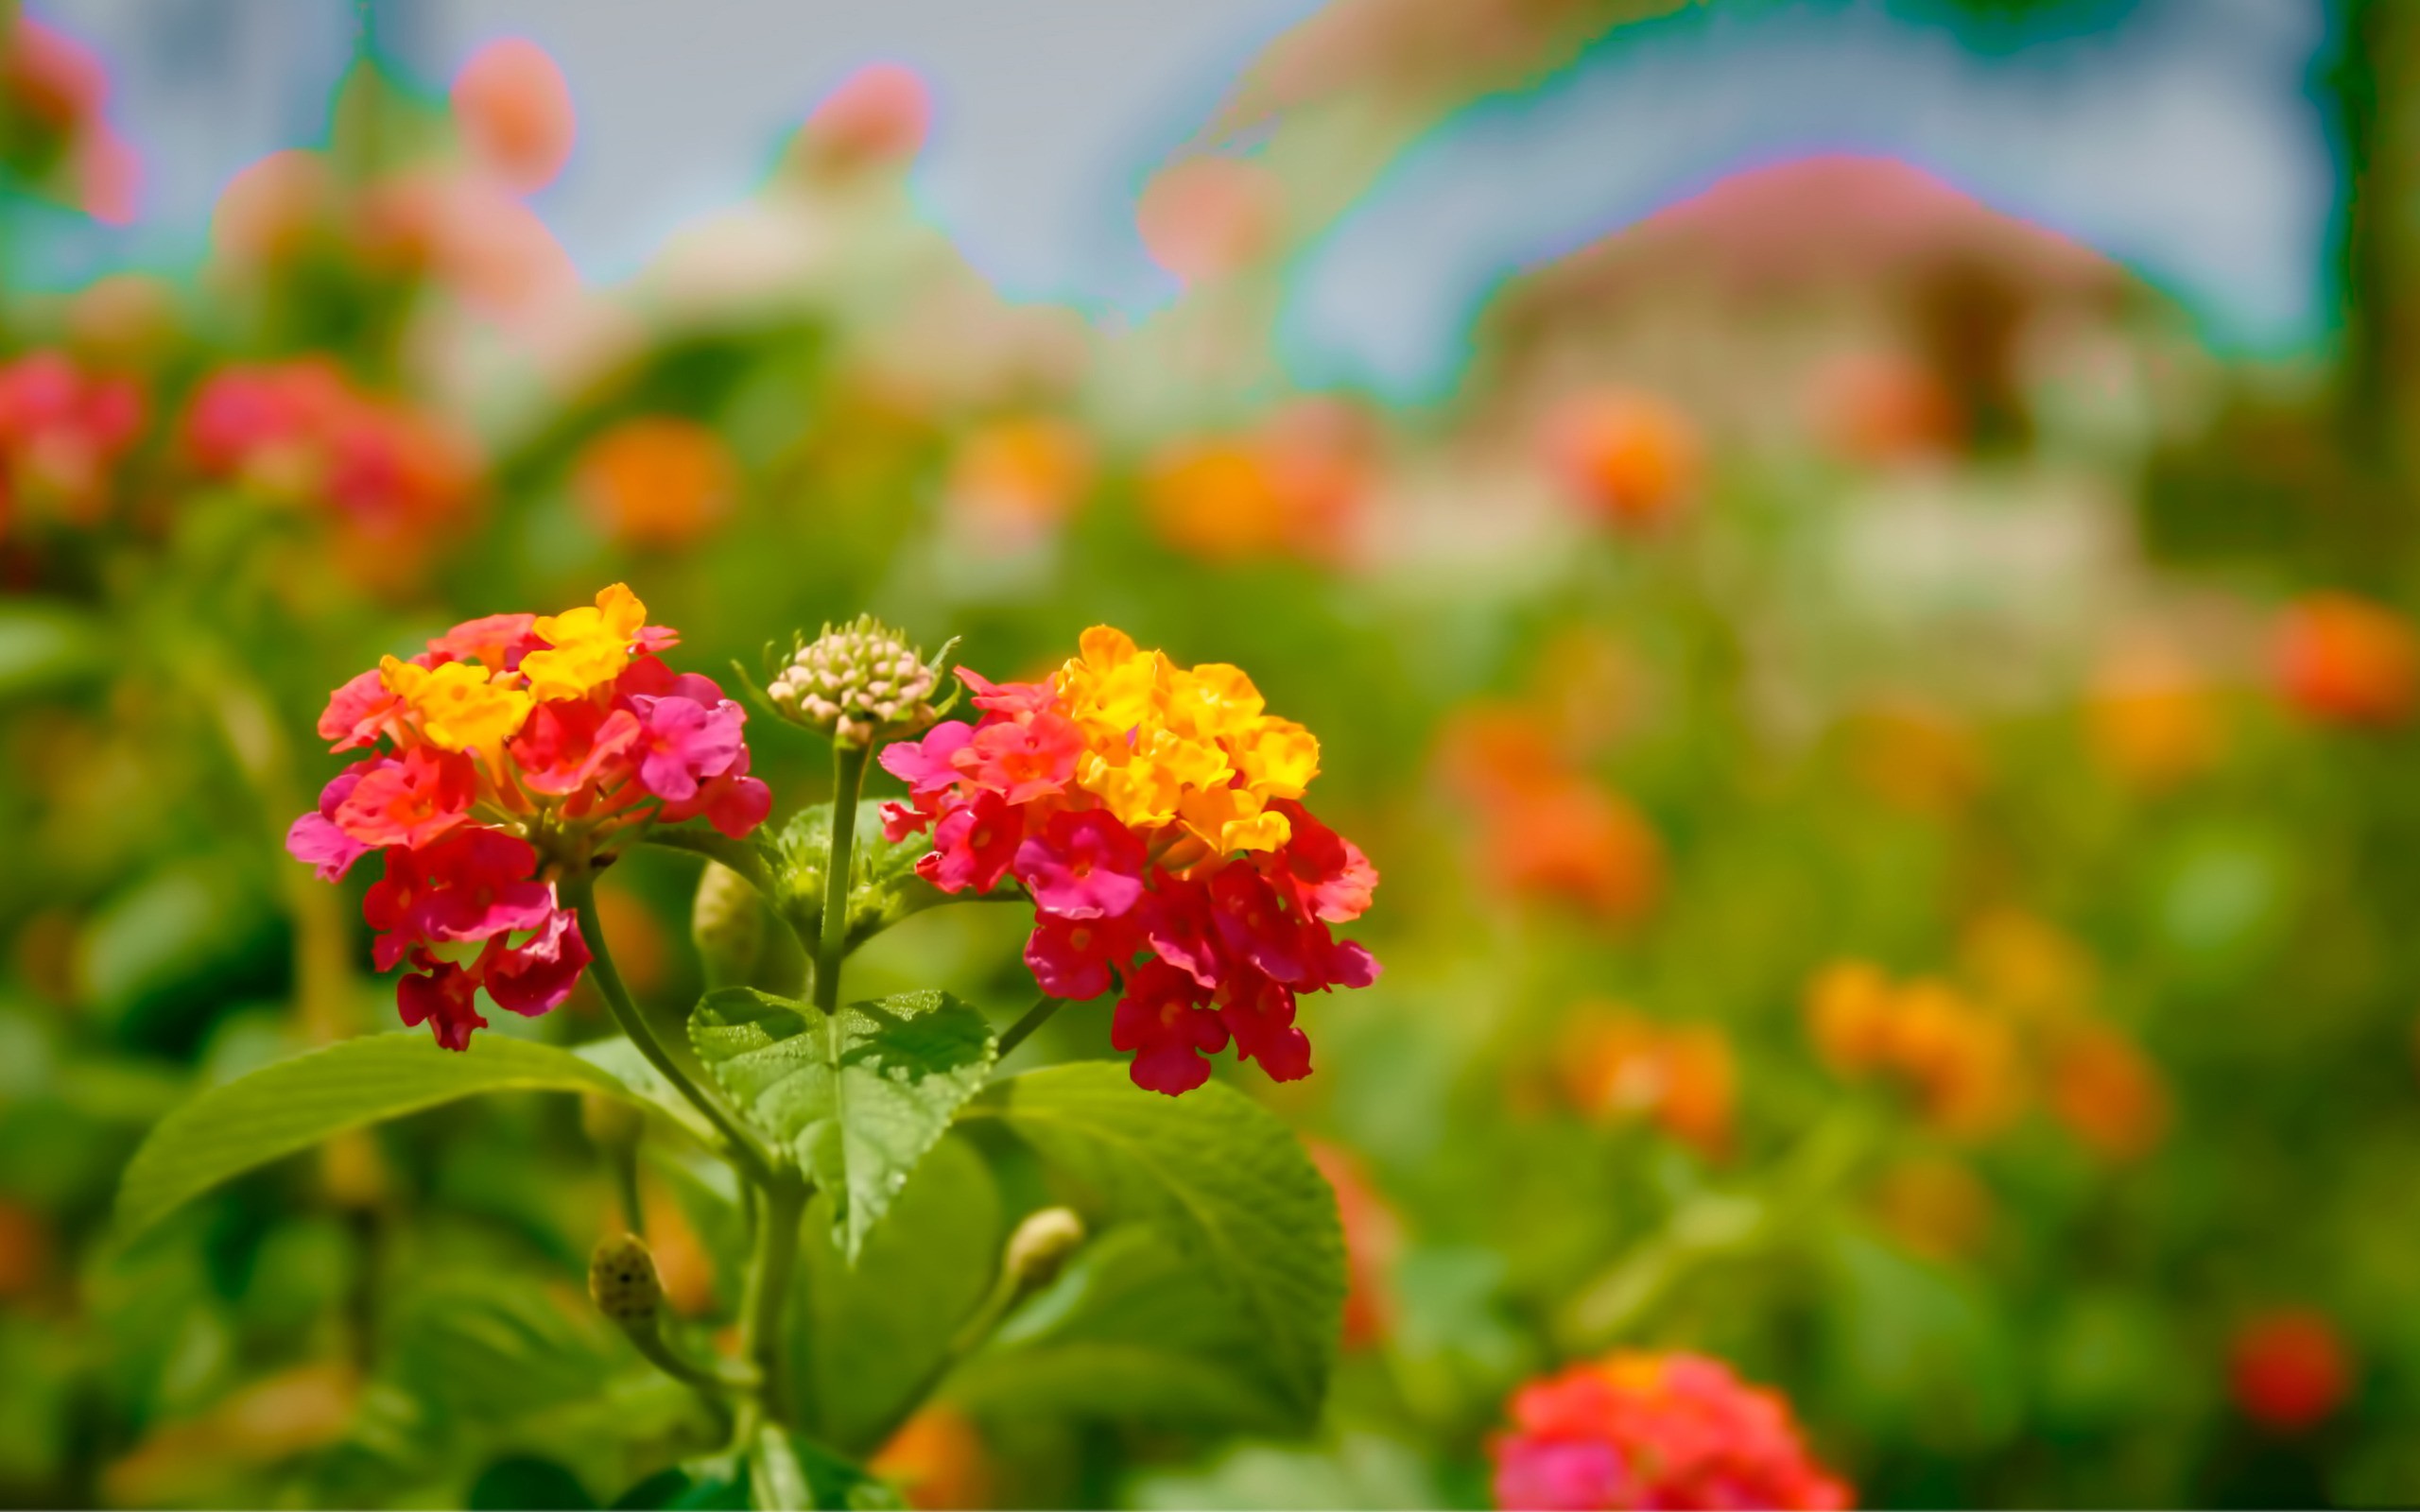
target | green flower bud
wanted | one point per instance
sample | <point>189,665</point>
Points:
<point>859,683</point>
<point>1040,1248</point>
<point>622,1282</point>
<point>727,922</point>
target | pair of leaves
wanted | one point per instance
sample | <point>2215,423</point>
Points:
<point>855,1097</point>
<point>1215,1289</point>
<point>883,884</point>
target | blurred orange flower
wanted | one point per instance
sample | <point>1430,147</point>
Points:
<point>514,110</point>
<point>938,1461</point>
<point>1914,758</point>
<point>1372,1238</point>
<point>1545,830</point>
<point>190,1462</point>
<point>2290,1370</point>
<point>1617,1064</point>
<point>2111,1094</point>
<point>24,1251</point>
<point>1014,480</point>
<point>1882,409</point>
<point>2022,962</point>
<point>657,481</point>
<point>2152,718</point>
<point>875,118</point>
<point>1634,459</point>
<point>1962,1063</point>
<point>1294,485</point>
<point>2345,660</point>
<point>1207,217</point>
<point>270,210</point>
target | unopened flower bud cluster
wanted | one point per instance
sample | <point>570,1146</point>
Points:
<point>856,683</point>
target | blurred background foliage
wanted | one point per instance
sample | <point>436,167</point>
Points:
<point>1883,742</point>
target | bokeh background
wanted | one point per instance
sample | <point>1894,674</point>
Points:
<point>1850,561</point>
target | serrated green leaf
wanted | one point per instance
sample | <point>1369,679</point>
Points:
<point>883,884</point>
<point>293,1105</point>
<point>1227,1187</point>
<point>866,1338</point>
<point>856,1098</point>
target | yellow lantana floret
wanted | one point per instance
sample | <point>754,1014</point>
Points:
<point>1178,745</point>
<point>458,705</point>
<point>590,646</point>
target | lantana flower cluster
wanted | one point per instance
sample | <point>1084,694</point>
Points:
<point>301,431</point>
<point>61,430</point>
<point>1636,1430</point>
<point>517,749</point>
<point>1154,812</point>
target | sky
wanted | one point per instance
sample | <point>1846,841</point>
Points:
<point>2182,138</point>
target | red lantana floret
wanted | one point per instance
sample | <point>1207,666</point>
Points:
<point>513,751</point>
<point>1153,815</point>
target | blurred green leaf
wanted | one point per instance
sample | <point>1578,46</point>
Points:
<point>1135,1332</point>
<point>718,1484</point>
<point>160,956</point>
<point>856,1099</point>
<point>44,646</point>
<point>1232,1196</point>
<point>868,1336</point>
<point>524,1481</point>
<point>295,1104</point>
<point>485,1347</point>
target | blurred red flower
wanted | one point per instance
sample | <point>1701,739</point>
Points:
<point>2288,1370</point>
<point>1666,1430</point>
<point>2345,660</point>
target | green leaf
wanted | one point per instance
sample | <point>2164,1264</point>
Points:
<point>866,1338</point>
<point>523,1480</point>
<point>786,1470</point>
<point>293,1105</point>
<point>1137,1332</point>
<point>44,646</point>
<point>1228,1190</point>
<point>856,1098</point>
<point>718,1484</point>
<point>626,1064</point>
<point>776,1481</point>
<point>883,884</point>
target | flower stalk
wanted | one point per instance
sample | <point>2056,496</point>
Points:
<point>847,781</point>
<point>747,1147</point>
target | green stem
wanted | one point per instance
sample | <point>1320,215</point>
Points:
<point>747,1150</point>
<point>716,1381</point>
<point>625,1185</point>
<point>848,778</point>
<point>1035,1018</point>
<point>1715,1226</point>
<point>782,1203</point>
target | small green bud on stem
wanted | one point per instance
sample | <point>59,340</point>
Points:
<point>1040,1248</point>
<point>622,1282</point>
<point>727,922</point>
